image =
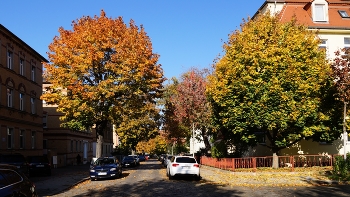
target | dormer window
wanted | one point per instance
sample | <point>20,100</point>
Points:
<point>343,14</point>
<point>320,11</point>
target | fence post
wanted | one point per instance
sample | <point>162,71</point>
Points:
<point>292,162</point>
<point>233,164</point>
<point>254,164</point>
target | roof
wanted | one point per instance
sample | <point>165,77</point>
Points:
<point>5,30</point>
<point>301,9</point>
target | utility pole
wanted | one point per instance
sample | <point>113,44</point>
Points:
<point>193,139</point>
<point>345,134</point>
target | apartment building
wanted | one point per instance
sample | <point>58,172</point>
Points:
<point>21,126</point>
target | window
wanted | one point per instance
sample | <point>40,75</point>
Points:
<point>33,139</point>
<point>21,66</point>
<point>346,43</point>
<point>9,59</point>
<point>45,121</point>
<point>71,145</point>
<point>33,73</point>
<point>323,45</point>
<point>21,101</point>
<point>343,13</point>
<point>320,12</point>
<point>21,139</point>
<point>9,97</point>
<point>32,103</point>
<point>9,138</point>
<point>76,146</point>
<point>260,137</point>
<point>45,144</point>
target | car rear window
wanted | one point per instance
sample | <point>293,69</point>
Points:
<point>12,158</point>
<point>185,160</point>
<point>38,160</point>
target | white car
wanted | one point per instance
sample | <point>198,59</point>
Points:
<point>183,166</point>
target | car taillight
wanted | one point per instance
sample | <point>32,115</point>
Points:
<point>174,164</point>
<point>196,165</point>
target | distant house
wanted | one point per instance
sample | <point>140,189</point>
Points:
<point>21,127</point>
<point>331,19</point>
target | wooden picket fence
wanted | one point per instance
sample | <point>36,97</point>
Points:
<point>254,163</point>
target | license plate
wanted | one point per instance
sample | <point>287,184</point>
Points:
<point>40,166</point>
<point>185,167</point>
<point>102,173</point>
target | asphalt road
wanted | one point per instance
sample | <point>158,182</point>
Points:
<point>149,179</point>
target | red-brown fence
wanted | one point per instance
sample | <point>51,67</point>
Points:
<point>253,163</point>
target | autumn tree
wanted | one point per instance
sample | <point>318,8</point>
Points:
<point>274,80</point>
<point>102,72</point>
<point>174,130</point>
<point>341,74</point>
<point>191,107</point>
<point>155,145</point>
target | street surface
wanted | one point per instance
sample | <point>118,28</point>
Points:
<point>149,179</point>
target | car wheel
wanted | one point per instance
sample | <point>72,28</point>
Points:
<point>198,178</point>
<point>170,177</point>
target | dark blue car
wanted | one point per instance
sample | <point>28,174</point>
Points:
<point>105,167</point>
<point>14,183</point>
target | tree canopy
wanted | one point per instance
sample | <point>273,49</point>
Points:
<point>187,108</point>
<point>274,80</point>
<point>104,71</point>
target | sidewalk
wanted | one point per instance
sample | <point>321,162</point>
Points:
<point>61,179</point>
<point>257,179</point>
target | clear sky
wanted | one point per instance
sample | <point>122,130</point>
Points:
<point>185,33</point>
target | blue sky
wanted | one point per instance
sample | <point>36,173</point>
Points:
<point>185,33</point>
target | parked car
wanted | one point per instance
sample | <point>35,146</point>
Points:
<point>183,166</point>
<point>167,160</point>
<point>105,167</point>
<point>142,158</point>
<point>129,161</point>
<point>137,159</point>
<point>39,165</point>
<point>13,182</point>
<point>17,160</point>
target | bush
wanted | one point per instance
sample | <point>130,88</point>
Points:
<point>341,167</point>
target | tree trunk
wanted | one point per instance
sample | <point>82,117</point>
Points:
<point>100,127</point>
<point>99,146</point>
<point>275,160</point>
<point>206,140</point>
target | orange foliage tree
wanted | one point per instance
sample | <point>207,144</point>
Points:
<point>104,71</point>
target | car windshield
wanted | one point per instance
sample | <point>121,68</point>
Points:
<point>185,160</point>
<point>128,158</point>
<point>104,161</point>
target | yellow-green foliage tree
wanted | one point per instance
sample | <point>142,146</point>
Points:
<point>273,79</point>
<point>155,145</point>
<point>104,71</point>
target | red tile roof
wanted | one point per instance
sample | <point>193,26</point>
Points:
<point>301,9</point>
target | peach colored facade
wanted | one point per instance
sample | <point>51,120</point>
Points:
<point>330,18</point>
<point>21,126</point>
<point>63,145</point>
